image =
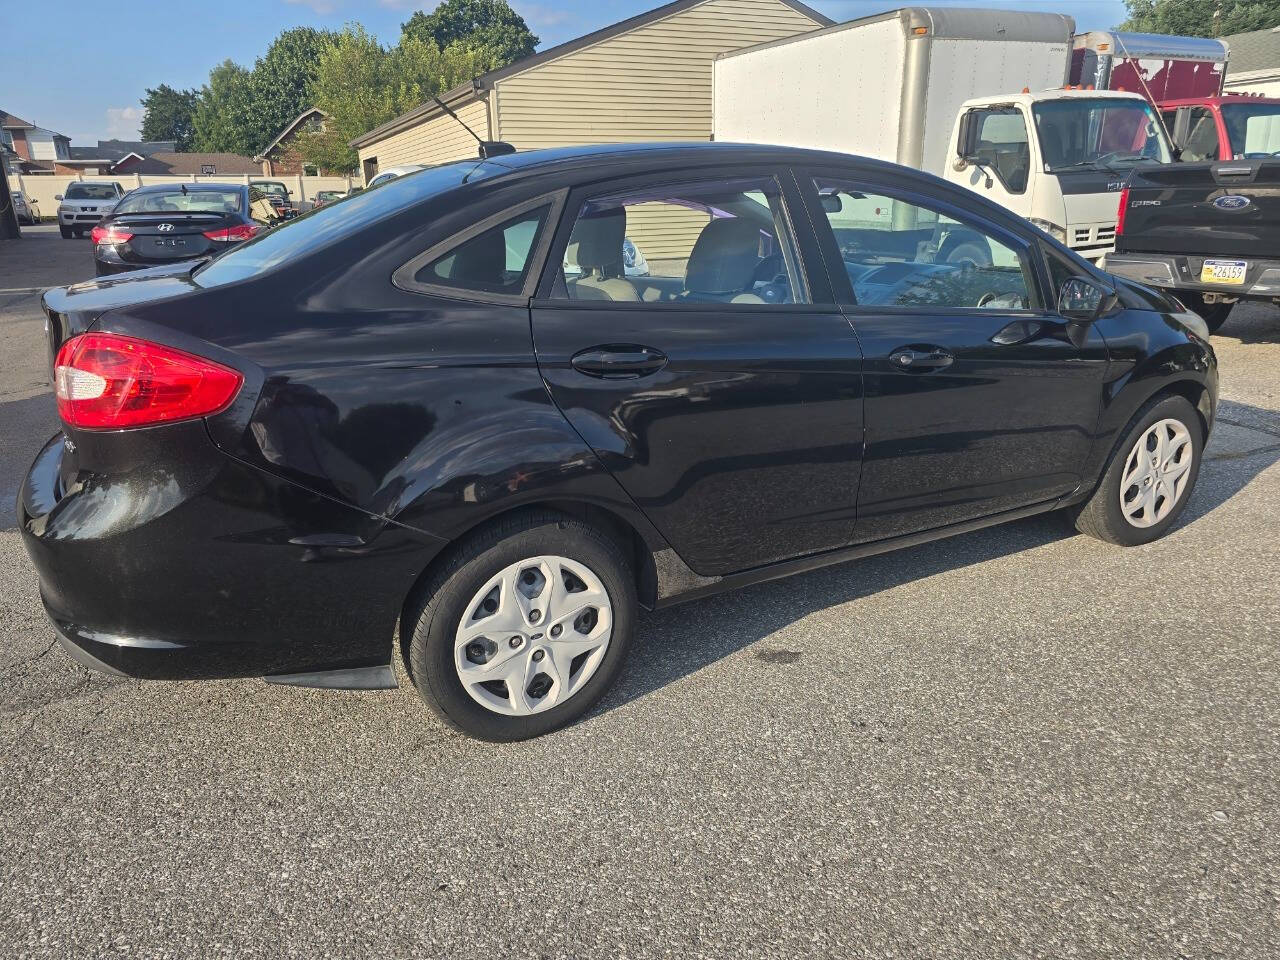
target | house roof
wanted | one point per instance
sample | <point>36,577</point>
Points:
<point>473,88</point>
<point>190,163</point>
<point>14,123</point>
<point>1255,50</point>
<point>290,127</point>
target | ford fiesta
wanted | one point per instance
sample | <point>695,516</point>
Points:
<point>444,410</point>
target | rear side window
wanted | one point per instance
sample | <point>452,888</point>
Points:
<point>495,260</point>
<point>334,222</point>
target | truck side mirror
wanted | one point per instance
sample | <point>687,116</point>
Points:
<point>57,196</point>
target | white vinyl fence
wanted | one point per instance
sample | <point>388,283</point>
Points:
<point>43,188</point>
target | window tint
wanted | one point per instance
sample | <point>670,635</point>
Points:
<point>901,254</point>
<point>701,242</point>
<point>334,222</point>
<point>1002,146</point>
<point>1253,129</point>
<point>495,261</point>
<point>1202,137</point>
<point>182,201</point>
<point>91,191</point>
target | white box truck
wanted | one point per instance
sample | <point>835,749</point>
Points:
<point>935,89</point>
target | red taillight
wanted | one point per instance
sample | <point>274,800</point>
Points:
<point>1121,210</point>
<point>111,234</point>
<point>230,234</point>
<point>104,381</point>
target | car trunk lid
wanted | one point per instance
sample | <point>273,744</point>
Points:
<point>161,236</point>
<point>1228,209</point>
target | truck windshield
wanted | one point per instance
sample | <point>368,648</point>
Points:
<point>1253,129</point>
<point>1098,133</point>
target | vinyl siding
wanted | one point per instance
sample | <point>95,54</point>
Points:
<point>652,83</point>
<point>437,140</point>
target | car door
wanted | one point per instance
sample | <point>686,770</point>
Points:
<point>686,328</point>
<point>979,399</point>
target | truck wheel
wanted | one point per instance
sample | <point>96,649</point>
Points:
<point>1150,477</point>
<point>1214,315</point>
<point>65,231</point>
<point>524,628</point>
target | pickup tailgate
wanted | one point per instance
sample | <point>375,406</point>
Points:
<point>1227,209</point>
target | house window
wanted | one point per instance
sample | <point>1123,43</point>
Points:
<point>310,170</point>
<point>6,137</point>
<point>208,169</point>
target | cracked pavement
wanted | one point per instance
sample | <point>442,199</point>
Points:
<point>1016,743</point>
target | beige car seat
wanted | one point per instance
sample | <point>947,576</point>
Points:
<point>596,246</point>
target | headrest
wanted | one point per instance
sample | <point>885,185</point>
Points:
<point>724,258</point>
<point>596,240</point>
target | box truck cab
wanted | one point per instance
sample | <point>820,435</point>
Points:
<point>1232,127</point>
<point>1058,158</point>
<point>900,86</point>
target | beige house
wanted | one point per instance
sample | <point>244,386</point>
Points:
<point>647,78</point>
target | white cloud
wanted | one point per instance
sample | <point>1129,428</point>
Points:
<point>123,123</point>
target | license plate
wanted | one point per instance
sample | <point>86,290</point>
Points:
<point>1223,271</point>
<point>170,242</point>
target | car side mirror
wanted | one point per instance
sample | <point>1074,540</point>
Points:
<point>57,196</point>
<point>1081,299</point>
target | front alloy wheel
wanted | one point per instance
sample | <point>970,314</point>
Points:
<point>1156,473</point>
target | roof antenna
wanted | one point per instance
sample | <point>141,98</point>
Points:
<point>488,148</point>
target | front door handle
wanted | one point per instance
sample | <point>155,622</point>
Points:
<point>618,361</point>
<point>921,358</point>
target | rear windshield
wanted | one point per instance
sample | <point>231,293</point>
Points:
<point>336,221</point>
<point>91,191</point>
<point>178,201</point>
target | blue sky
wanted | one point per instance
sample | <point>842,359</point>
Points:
<point>80,68</point>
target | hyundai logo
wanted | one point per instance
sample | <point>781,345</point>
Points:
<point>165,227</point>
<point>1232,201</point>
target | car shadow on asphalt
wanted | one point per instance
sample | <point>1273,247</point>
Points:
<point>1252,326</point>
<point>681,640</point>
<point>25,425</point>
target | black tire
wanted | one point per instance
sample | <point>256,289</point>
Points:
<point>441,603</point>
<point>78,231</point>
<point>1214,315</point>
<point>65,231</point>
<point>1100,516</point>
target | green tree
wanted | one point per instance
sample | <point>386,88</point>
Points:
<point>362,84</point>
<point>281,82</point>
<point>168,115</point>
<point>220,111</point>
<point>1195,18</point>
<point>497,33</point>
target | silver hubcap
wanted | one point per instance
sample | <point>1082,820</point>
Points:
<point>1156,473</point>
<point>533,635</point>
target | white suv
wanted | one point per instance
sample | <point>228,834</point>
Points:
<point>84,204</point>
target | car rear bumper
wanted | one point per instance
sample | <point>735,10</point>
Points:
<point>1182,272</point>
<point>197,565</point>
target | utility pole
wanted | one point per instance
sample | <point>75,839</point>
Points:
<point>8,216</point>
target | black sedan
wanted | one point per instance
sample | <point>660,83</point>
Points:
<point>445,410</point>
<point>163,223</point>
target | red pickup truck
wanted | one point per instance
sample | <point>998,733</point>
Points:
<point>1231,127</point>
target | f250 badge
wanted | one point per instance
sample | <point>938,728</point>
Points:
<point>1232,201</point>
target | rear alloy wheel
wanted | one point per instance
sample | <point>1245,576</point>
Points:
<point>524,628</point>
<point>1150,476</point>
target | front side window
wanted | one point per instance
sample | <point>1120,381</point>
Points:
<point>1253,129</point>
<point>721,241</point>
<point>496,260</point>
<point>1100,133</point>
<point>1201,142</point>
<point>902,254</point>
<point>1001,145</point>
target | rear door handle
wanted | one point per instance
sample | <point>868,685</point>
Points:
<point>618,361</point>
<point>916,358</point>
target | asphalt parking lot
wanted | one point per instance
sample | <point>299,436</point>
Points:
<point>1016,743</point>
